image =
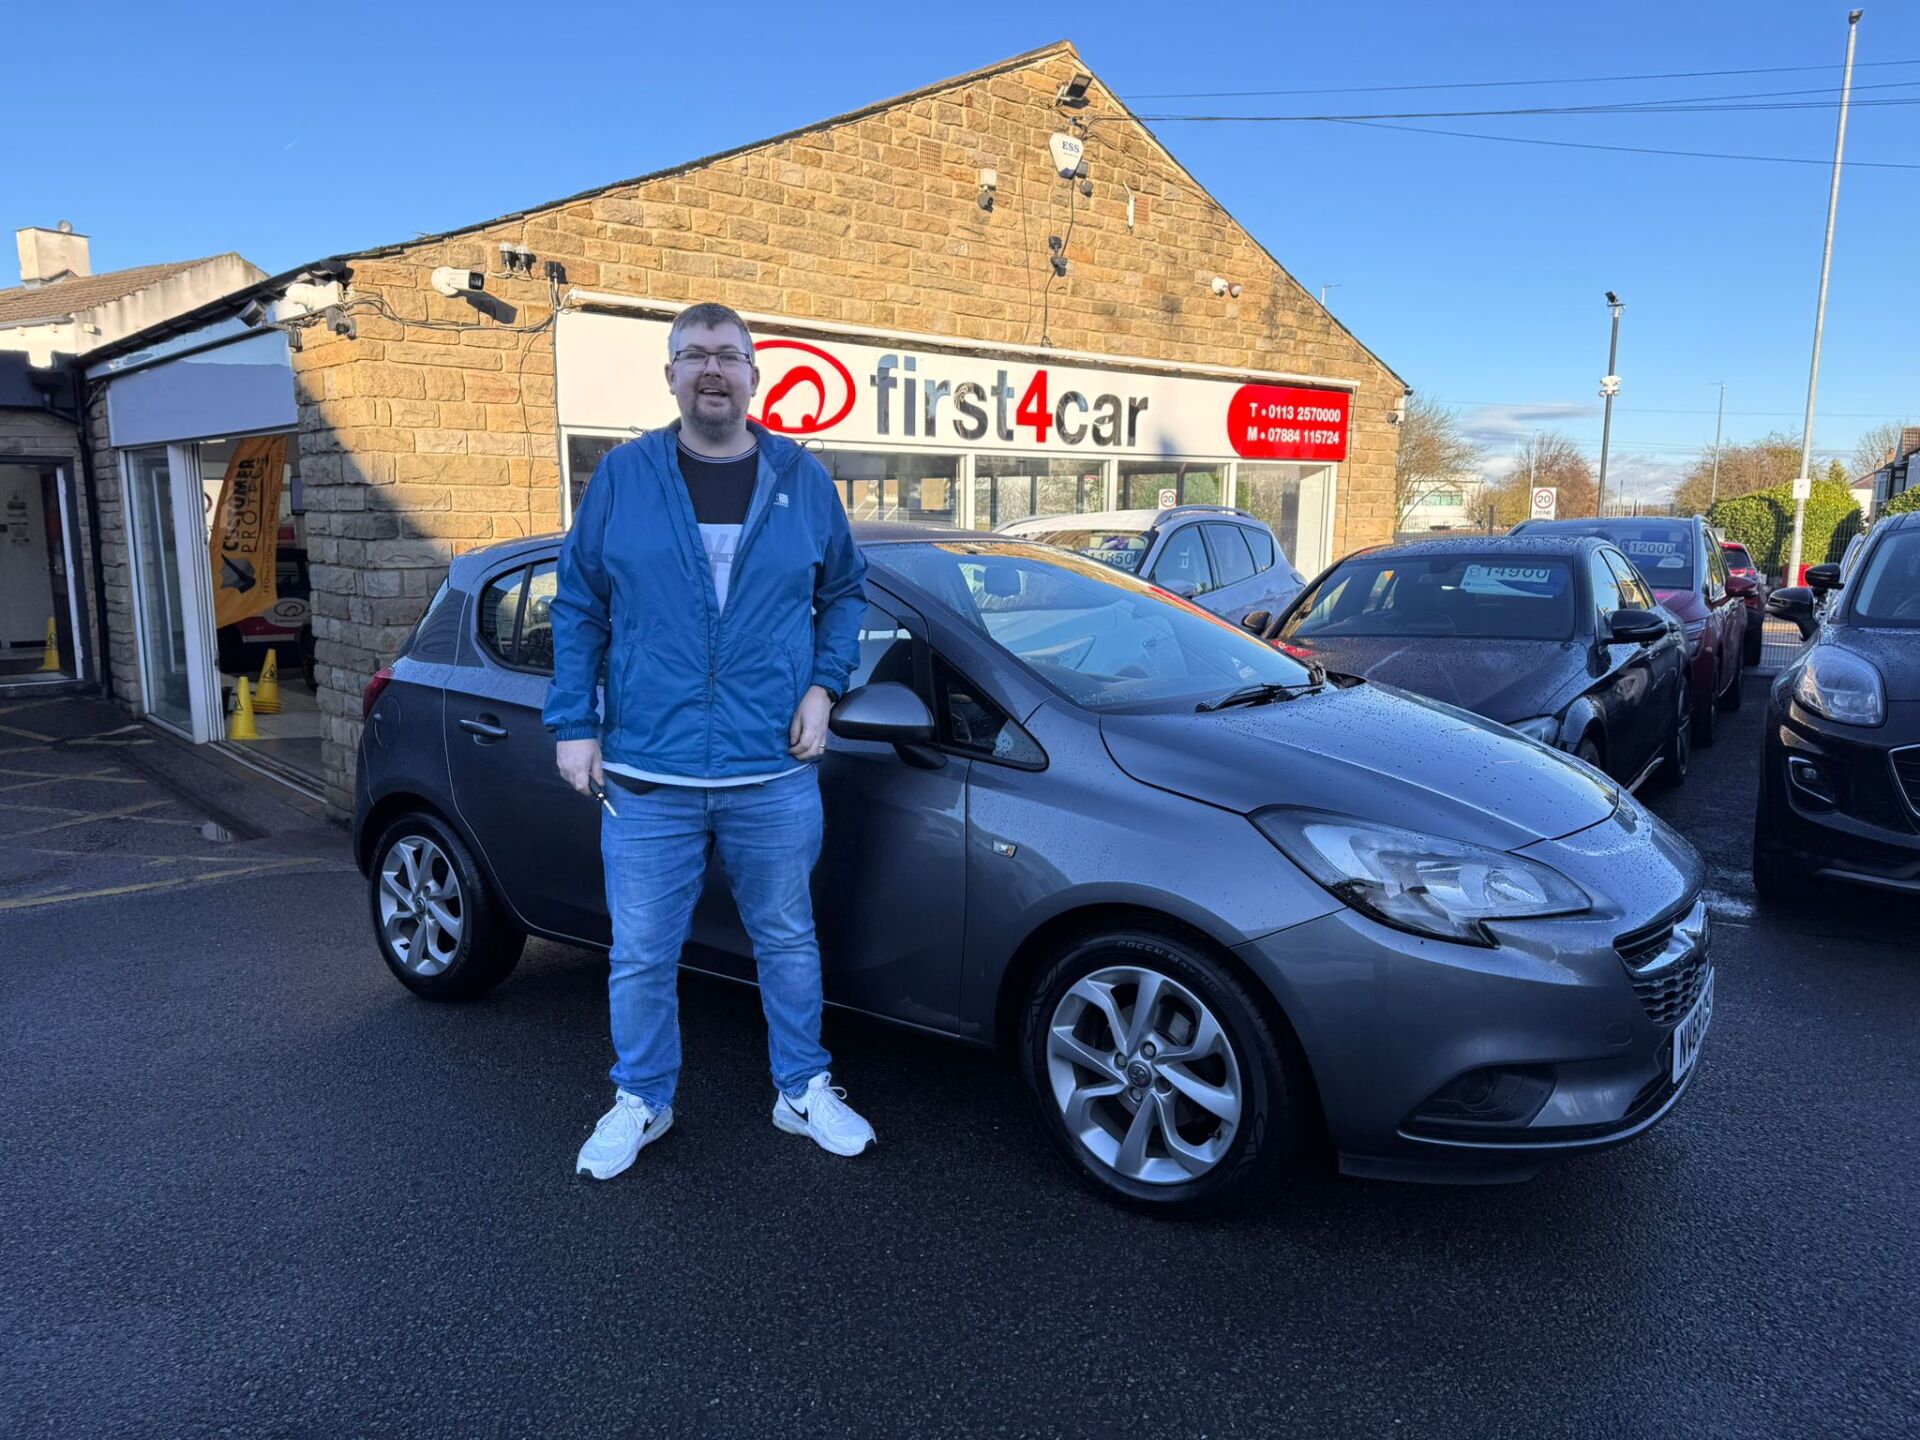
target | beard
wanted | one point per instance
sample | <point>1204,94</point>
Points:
<point>714,424</point>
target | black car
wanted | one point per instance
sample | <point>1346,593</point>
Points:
<point>1558,637</point>
<point>1840,786</point>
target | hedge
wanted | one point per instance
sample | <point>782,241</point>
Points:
<point>1903,502</point>
<point>1763,522</point>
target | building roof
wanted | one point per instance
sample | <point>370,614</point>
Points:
<point>32,304</point>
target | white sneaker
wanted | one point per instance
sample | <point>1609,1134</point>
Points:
<point>622,1133</point>
<point>824,1116</point>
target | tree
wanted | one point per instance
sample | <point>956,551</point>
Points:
<point>1757,465</point>
<point>1870,452</point>
<point>1547,458</point>
<point>1432,453</point>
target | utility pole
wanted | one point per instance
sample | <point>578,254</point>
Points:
<point>1609,387</point>
<point>1805,480</point>
<point>1718,416</point>
<point>1323,293</point>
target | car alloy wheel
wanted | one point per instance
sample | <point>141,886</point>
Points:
<point>422,912</point>
<point>1144,1076</point>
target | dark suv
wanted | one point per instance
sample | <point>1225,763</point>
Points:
<point>1682,560</point>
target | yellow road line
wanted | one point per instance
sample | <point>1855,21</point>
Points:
<point>104,777</point>
<point>131,812</point>
<point>27,734</point>
<point>62,897</point>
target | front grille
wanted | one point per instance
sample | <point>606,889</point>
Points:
<point>1906,770</point>
<point>1667,962</point>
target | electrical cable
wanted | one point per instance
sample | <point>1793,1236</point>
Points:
<point>1633,149</point>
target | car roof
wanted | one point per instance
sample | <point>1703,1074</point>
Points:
<point>1087,520</point>
<point>1586,526</point>
<point>1555,545</point>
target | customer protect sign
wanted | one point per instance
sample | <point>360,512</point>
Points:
<point>246,530</point>
<point>905,396</point>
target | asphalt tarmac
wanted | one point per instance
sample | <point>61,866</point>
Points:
<point>249,1186</point>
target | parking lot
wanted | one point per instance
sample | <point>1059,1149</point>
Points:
<point>253,1187</point>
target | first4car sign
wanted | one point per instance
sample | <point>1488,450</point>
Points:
<point>905,397</point>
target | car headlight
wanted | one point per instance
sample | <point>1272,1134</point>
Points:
<point>1422,883</point>
<point>1544,728</point>
<point>1841,687</point>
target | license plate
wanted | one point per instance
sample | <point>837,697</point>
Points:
<point>1688,1034</point>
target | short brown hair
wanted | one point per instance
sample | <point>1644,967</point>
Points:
<point>712,315</point>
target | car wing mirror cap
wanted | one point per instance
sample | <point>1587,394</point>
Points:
<point>1633,626</point>
<point>888,712</point>
<point>1257,622</point>
<point>1822,578</point>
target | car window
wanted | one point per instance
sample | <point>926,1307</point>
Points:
<point>1183,563</point>
<point>1122,549</point>
<point>1483,597</point>
<point>1100,638</point>
<point>1737,557</point>
<point>1607,596</point>
<point>536,623</point>
<point>969,721</point>
<point>1233,561</point>
<point>1665,552</point>
<point>886,652</point>
<point>1888,590</point>
<point>1631,585</point>
<point>1261,543</point>
<point>1716,572</point>
<point>499,613</point>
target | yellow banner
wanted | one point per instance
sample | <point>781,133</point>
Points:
<point>246,531</point>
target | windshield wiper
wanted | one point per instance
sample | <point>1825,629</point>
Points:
<point>1263,693</point>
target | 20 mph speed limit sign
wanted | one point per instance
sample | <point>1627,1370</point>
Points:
<point>1546,502</point>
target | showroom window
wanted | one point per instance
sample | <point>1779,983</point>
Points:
<point>904,486</point>
<point>1294,501</point>
<point>584,454</point>
<point>1013,487</point>
<point>1192,483</point>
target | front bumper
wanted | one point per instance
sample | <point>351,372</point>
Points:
<point>1868,832</point>
<point>1391,1021</point>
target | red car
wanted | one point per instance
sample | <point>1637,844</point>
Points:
<point>1681,560</point>
<point>1740,566</point>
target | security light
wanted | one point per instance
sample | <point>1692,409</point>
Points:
<point>1074,92</point>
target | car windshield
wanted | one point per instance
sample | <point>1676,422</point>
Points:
<point>1479,597</point>
<point>1888,590</point>
<point>1737,557</point>
<point>1660,550</point>
<point>1104,640</point>
<point>1122,549</point>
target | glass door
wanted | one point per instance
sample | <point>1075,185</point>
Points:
<point>170,584</point>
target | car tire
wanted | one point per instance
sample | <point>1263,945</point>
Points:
<point>1772,877</point>
<point>1705,722</point>
<point>1589,750</point>
<point>1756,638</point>
<point>1676,756</point>
<point>1248,1061</point>
<point>437,922</point>
<point>1735,694</point>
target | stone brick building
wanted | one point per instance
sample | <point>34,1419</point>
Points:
<point>429,423</point>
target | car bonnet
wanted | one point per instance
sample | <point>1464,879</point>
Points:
<point>1505,680</point>
<point>1372,754</point>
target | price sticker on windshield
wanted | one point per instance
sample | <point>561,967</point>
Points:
<point>1665,554</point>
<point>1539,581</point>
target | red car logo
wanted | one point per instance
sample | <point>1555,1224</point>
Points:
<point>807,390</point>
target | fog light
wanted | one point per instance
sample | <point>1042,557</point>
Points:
<point>1509,1095</point>
<point>1811,781</point>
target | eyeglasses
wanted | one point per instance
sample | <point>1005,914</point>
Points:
<point>697,358</point>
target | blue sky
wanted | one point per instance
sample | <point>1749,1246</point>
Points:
<point>1475,267</point>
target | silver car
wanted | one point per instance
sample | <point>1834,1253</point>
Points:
<point>1223,559</point>
<point>1221,906</point>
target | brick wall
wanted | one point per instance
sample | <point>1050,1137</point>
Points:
<point>419,439</point>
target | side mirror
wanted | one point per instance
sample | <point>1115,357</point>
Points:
<point>1740,585</point>
<point>1635,627</point>
<point>1822,578</point>
<point>1794,603</point>
<point>888,712</point>
<point>1184,589</point>
<point>1257,622</point>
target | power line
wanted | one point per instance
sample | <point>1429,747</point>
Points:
<point>1652,410</point>
<point>1502,84</point>
<point>1632,149</point>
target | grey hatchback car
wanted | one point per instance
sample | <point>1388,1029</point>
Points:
<point>1223,559</point>
<point>1220,906</point>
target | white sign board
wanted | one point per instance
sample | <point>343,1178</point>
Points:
<point>1169,499</point>
<point>1802,487</point>
<point>1546,502</point>
<point>907,397</point>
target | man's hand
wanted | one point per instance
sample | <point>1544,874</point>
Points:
<point>807,735</point>
<point>579,764</point>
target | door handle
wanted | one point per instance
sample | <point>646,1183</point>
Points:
<point>486,730</point>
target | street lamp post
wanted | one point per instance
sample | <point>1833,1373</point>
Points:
<point>1718,416</point>
<point>1804,483</point>
<point>1609,387</point>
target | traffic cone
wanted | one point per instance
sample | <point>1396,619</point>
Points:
<point>52,660</point>
<point>243,727</point>
<point>266,700</point>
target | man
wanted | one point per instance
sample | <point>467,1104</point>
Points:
<point>712,573</point>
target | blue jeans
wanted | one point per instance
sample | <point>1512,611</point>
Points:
<point>767,837</point>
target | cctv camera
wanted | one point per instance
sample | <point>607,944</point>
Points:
<point>255,314</point>
<point>1234,290</point>
<point>1219,285</point>
<point>339,322</point>
<point>452,280</point>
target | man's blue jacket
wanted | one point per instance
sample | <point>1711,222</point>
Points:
<point>692,690</point>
